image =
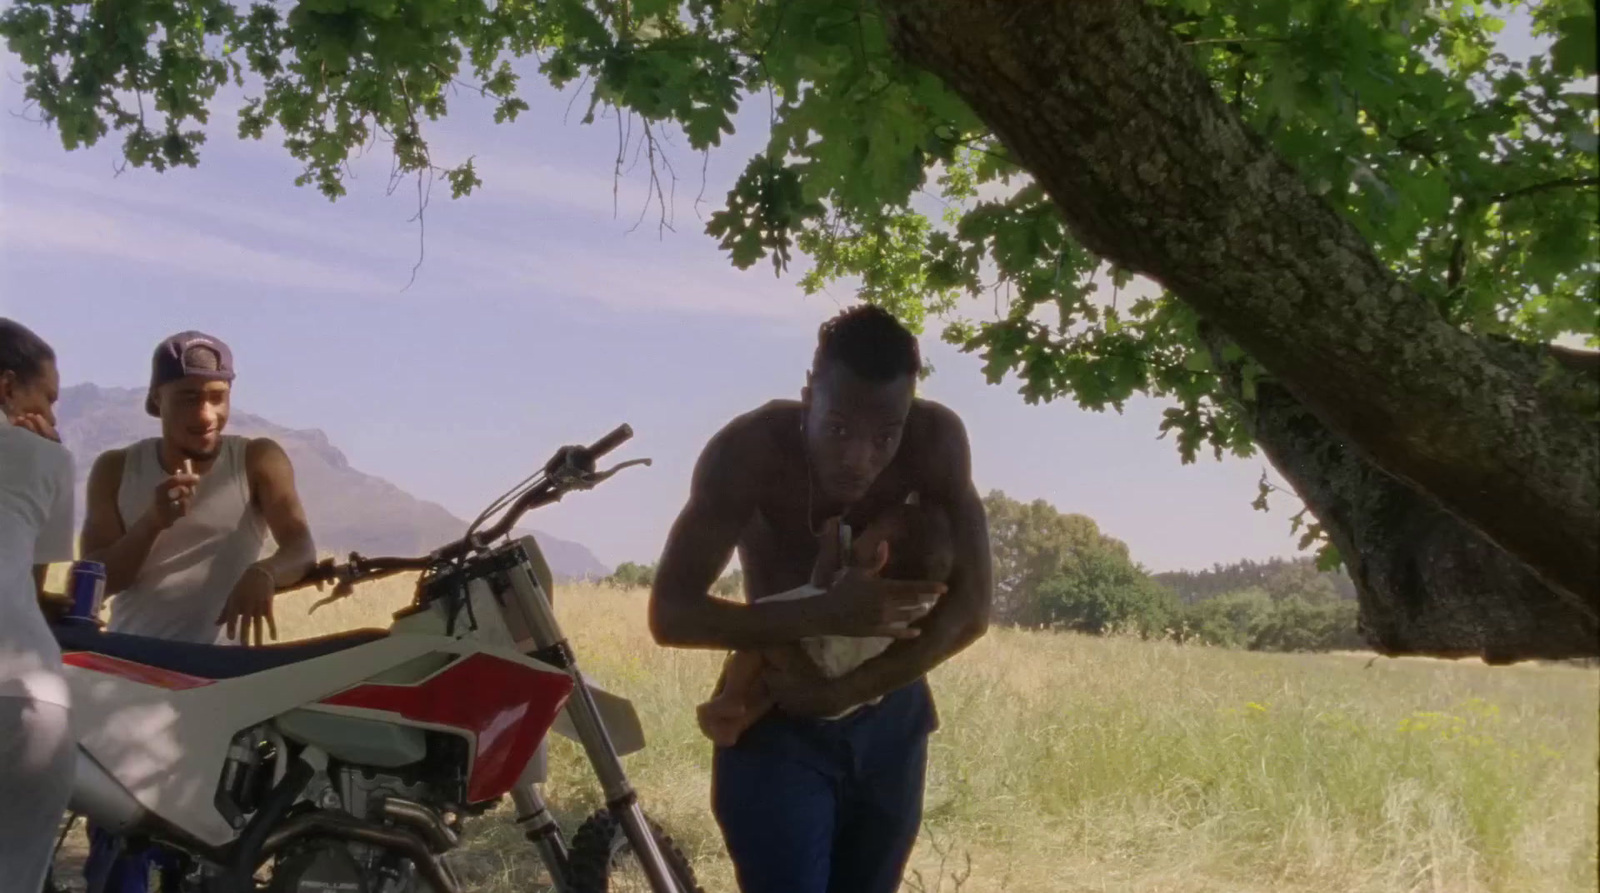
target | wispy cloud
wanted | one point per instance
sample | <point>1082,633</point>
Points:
<point>68,212</point>
<point>81,233</point>
<point>684,273</point>
<point>547,224</point>
<point>175,202</point>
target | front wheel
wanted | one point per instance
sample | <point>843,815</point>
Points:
<point>602,860</point>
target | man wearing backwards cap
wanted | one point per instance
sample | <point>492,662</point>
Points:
<point>180,521</point>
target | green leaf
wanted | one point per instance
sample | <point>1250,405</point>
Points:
<point>463,179</point>
<point>1401,116</point>
<point>1573,54</point>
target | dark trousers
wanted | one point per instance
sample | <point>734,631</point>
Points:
<point>126,871</point>
<point>820,806</point>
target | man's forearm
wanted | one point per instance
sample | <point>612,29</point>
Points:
<point>124,557</point>
<point>909,660</point>
<point>717,623</point>
<point>292,560</point>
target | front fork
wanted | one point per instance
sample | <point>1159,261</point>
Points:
<point>621,800</point>
<point>540,827</point>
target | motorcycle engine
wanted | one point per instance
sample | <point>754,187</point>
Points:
<point>319,866</point>
<point>328,865</point>
<point>324,865</point>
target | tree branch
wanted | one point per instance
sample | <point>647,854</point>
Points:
<point>1233,42</point>
<point>1152,170</point>
<point>1563,183</point>
<point>1458,262</point>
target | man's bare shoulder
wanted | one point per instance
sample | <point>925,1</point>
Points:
<point>108,465</point>
<point>940,440</point>
<point>745,452</point>
<point>264,449</point>
<point>100,499</point>
<point>761,429</point>
<point>771,415</point>
<point>267,464</point>
<point>934,422</point>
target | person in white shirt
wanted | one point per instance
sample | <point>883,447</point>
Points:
<point>37,755</point>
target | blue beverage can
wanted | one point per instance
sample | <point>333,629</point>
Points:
<point>86,585</point>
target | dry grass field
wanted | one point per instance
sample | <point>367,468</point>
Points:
<point>1071,763</point>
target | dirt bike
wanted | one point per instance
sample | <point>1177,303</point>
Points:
<point>348,762</point>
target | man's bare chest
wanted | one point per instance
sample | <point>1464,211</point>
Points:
<point>779,544</point>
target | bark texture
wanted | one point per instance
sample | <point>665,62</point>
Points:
<point>1427,583</point>
<point>1151,169</point>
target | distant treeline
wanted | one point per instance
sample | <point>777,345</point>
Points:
<point>1054,570</point>
<point>1279,578</point>
<point>1058,571</point>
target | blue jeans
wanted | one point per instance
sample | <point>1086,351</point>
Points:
<point>826,806</point>
<point>126,872</point>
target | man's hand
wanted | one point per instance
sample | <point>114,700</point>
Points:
<point>857,602</point>
<point>805,692</point>
<point>248,613</point>
<point>173,498</point>
<point>38,424</point>
<point>862,605</point>
<point>722,720</point>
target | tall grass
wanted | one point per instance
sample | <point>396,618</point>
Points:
<point>1073,763</point>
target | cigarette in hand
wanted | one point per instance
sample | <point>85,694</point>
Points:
<point>175,492</point>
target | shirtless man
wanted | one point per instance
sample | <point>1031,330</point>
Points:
<point>910,542</point>
<point>809,804</point>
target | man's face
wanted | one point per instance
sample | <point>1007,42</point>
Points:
<point>36,397</point>
<point>193,413</point>
<point>853,428</point>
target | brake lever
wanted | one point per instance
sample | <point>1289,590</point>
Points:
<point>343,582</point>
<point>341,589</point>
<point>592,479</point>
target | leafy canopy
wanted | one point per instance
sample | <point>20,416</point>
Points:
<point>1472,173</point>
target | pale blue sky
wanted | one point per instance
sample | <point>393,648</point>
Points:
<point>537,319</point>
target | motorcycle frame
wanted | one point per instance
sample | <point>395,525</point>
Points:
<point>515,611</point>
<point>531,623</point>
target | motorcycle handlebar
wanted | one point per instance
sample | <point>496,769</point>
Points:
<point>328,571</point>
<point>322,572</point>
<point>616,438</point>
<point>543,494</point>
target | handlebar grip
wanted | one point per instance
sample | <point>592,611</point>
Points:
<point>323,571</point>
<point>611,441</point>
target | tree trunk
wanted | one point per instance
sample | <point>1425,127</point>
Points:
<point>1100,102</point>
<point>1428,584</point>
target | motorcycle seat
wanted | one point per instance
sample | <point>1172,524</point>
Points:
<point>205,661</point>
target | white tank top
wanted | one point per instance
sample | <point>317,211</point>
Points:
<point>194,564</point>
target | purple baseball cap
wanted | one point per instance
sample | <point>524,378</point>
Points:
<point>186,354</point>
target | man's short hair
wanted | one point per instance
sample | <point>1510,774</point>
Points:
<point>869,341</point>
<point>22,352</point>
